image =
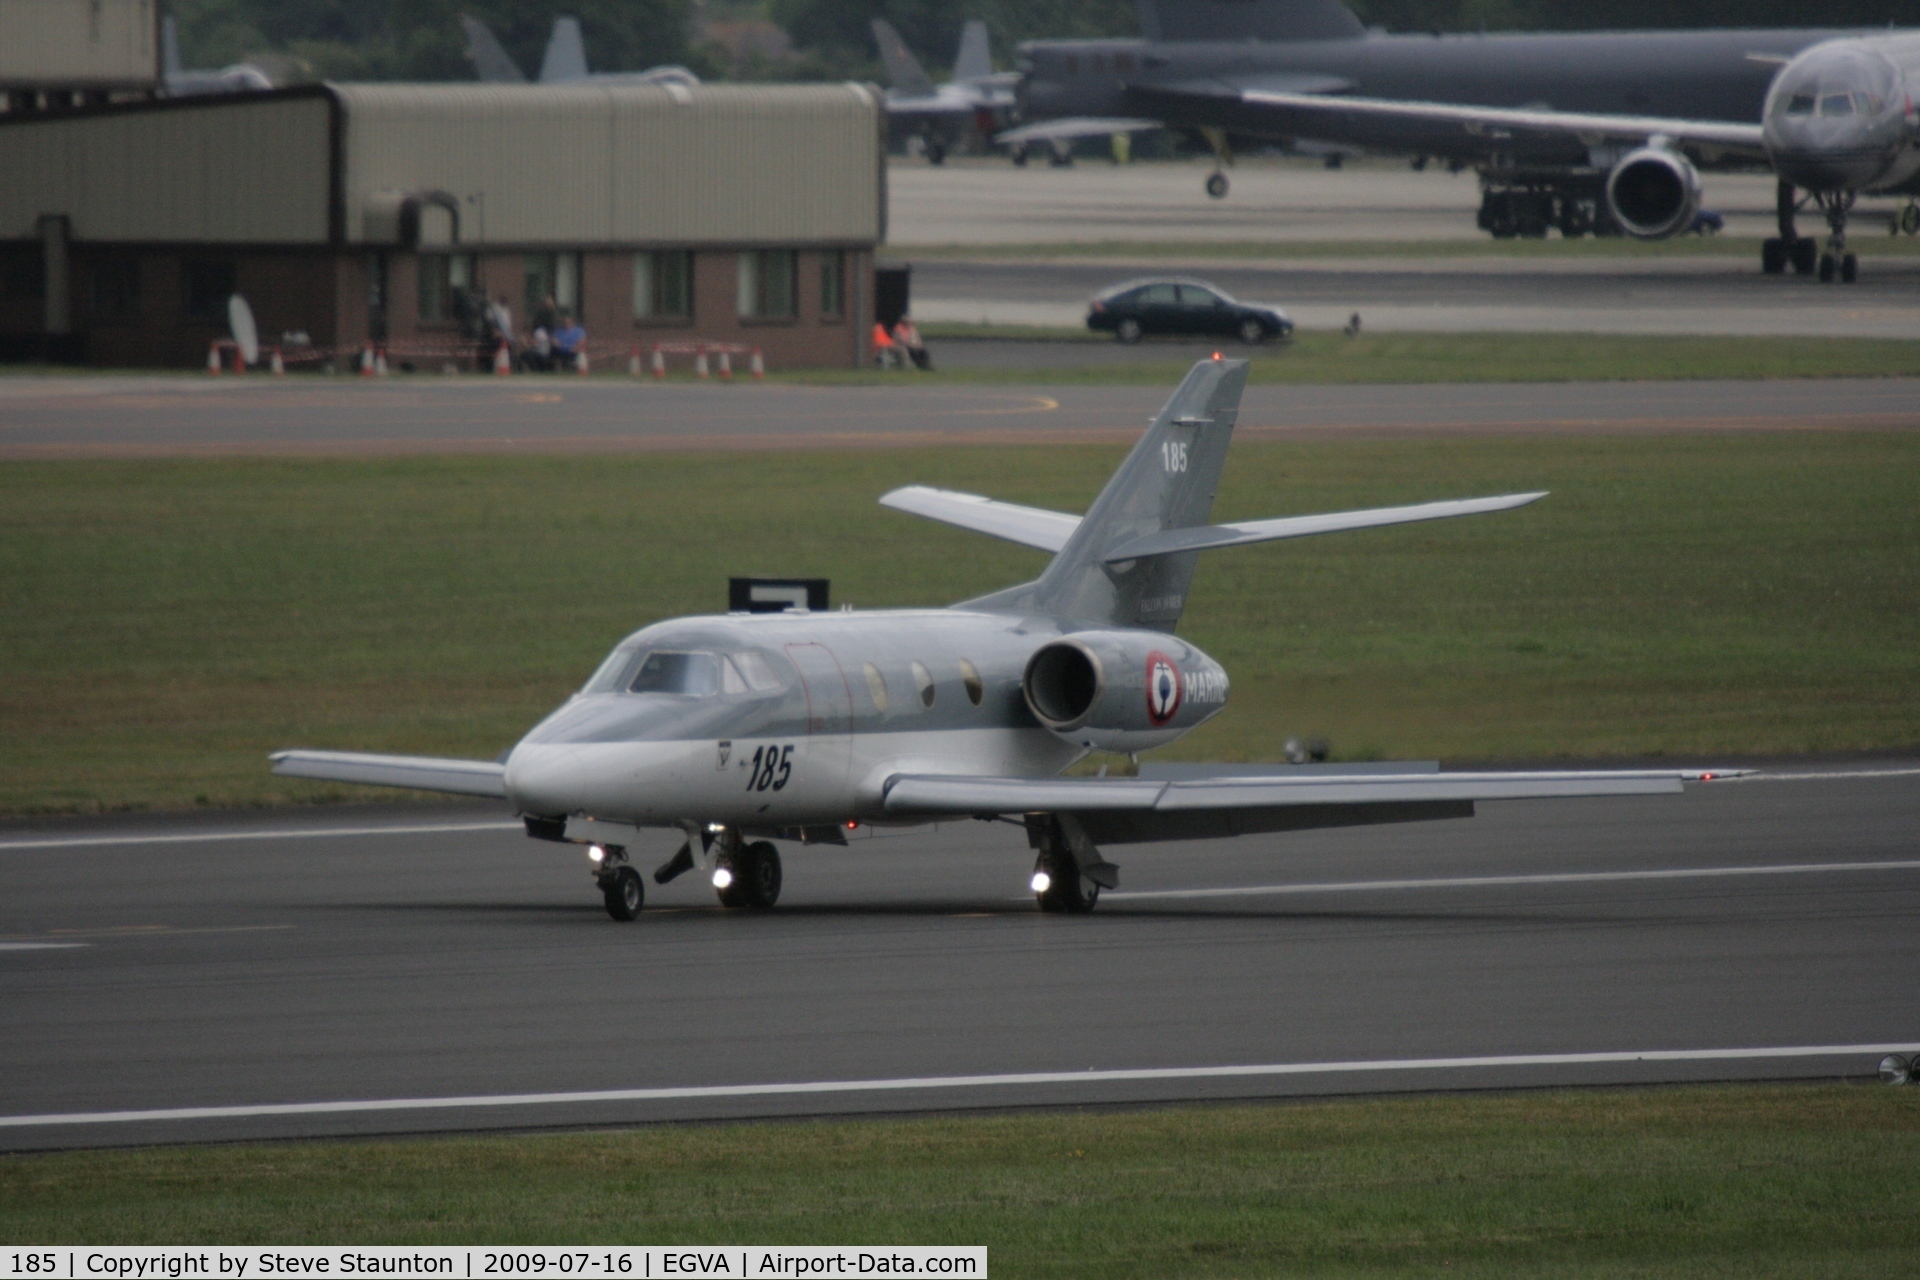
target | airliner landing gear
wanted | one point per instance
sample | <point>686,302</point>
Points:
<point>619,884</point>
<point>1836,260</point>
<point>1222,159</point>
<point>748,876</point>
<point>1217,185</point>
<point>1789,248</point>
<point>1069,872</point>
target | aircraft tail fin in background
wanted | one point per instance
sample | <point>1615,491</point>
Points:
<point>490,62</point>
<point>170,47</point>
<point>975,61</point>
<point>1248,20</point>
<point>566,59</point>
<point>904,73</point>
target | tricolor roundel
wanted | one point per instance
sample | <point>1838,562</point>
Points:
<point>1163,688</point>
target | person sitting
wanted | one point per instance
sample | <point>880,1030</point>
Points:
<point>885,354</point>
<point>538,357</point>
<point>907,337</point>
<point>568,342</point>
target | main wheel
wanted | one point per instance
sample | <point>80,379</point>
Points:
<point>1058,886</point>
<point>936,153</point>
<point>1217,186</point>
<point>1849,269</point>
<point>1827,266</point>
<point>759,874</point>
<point>1019,156</point>
<point>1128,330</point>
<point>1252,332</point>
<point>625,893</point>
<point>1802,255</point>
<point>1773,256</point>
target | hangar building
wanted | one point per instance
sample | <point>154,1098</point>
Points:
<point>54,52</point>
<point>395,213</point>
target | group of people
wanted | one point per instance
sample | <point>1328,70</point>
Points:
<point>901,346</point>
<point>556,343</point>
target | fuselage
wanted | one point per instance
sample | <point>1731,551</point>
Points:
<point>799,719</point>
<point>1841,116</point>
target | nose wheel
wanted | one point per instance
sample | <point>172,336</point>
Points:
<point>620,885</point>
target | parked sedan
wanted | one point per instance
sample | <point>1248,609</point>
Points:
<point>1130,311</point>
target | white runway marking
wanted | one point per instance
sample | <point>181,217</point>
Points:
<point>958,1082</point>
<point>1477,882</point>
<point>285,833</point>
<point>42,946</point>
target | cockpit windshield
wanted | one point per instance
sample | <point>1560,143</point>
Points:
<point>1836,104</point>
<point>686,672</point>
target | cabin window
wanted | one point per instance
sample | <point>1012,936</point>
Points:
<point>1836,104</point>
<point>923,680</point>
<point>877,686</point>
<point>759,673</point>
<point>970,678</point>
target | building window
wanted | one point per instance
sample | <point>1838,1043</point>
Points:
<point>553,286</point>
<point>209,283</point>
<point>23,273</point>
<point>766,284</point>
<point>446,287</point>
<point>833,284</point>
<point>663,285</point>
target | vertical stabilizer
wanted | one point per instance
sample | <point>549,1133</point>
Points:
<point>490,61</point>
<point>905,75</point>
<point>1167,482</point>
<point>1248,20</point>
<point>975,61</point>
<point>566,59</point>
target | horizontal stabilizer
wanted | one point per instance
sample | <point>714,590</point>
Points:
<point>1208,537</point>
<point>1028,526</point>
<point>1069,127</point>
<point>418,773</point>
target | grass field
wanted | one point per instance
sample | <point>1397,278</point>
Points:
<point>169,623</point>
<point>1747,1182</point>
<point>1322,357</point>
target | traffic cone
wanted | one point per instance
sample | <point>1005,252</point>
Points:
<point>700,364</point>
<point>380,362</point>
<point>276,366</point>
<point>756,365</point>
<point>213,359</point>
<point>502,361</point>
<point>633,362</point>
<point>726,365</point>
<point>239,359</point>
<point>659,362</point>
<point>580,362</point>
<point>366,360</point>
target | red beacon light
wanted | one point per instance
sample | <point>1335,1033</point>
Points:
<point>1216,355</point>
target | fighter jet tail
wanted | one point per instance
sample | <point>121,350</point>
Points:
<point>905,75</point>
<point>566,59</point>
<point>490,62</point>
<point>976,55</point>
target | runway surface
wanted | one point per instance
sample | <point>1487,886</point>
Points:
<point>159,416</point>
<point>1695,295</point>
<point>352,971</point>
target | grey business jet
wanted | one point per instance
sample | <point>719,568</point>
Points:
<point>1591,131</point>
<point>746,728</point>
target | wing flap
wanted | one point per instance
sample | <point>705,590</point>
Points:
<point>417,773</point>
<point>1028,526</point>
<point>1208,537</point>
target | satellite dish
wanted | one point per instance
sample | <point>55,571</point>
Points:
<point>245,335</point>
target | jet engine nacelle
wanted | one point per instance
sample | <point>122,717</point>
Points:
<point>1122,690</point>
<point>1654,193</point>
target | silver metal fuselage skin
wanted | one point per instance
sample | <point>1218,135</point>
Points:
<point>1873,145</point>
<point>654,759</point>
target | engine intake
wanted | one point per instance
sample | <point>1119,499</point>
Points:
<point>1654,193</point>
<point>1122,690</point>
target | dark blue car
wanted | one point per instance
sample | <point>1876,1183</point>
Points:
<point>1190,308</point>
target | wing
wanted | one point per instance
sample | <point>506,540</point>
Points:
<point>1126,810</point>
<point>1074,127</point>
<point>418,773</point>
<point>1207,537</point>
<point>1437,128</point>
<point>1028,526</point>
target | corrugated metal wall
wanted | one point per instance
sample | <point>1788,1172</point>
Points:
<point>590,164</point>
<point>78,43</point>
<point>234,172</point>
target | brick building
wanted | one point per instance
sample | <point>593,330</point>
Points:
<point>394,213</point>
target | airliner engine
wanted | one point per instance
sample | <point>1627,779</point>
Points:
<point>1654,193</point>
<point>1121,690</point>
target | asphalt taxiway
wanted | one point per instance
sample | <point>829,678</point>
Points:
<point>176,416</point>
<point>424,969</point>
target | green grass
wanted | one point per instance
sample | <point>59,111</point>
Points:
<point>1324,357</point>
<point>169,623</point>
<point>1808,1181</point>
<point>1868,239</point>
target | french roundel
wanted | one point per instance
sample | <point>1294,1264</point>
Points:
<point>1163,688</point>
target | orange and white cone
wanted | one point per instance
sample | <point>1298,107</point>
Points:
<point>659,362</point>
<point>580,362</point>
<point>213,359</point>
<point>366,361</point>
<point>633,362</point>
<point>276,366</point>
<point>756,365</point>
<point>502,361</point>
<point>726,365</point>
<point>380,362</point>
<point>700,364</point>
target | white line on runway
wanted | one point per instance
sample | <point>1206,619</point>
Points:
<point>41,946</point>
<point>959,1082</point>
<point>286,833</point>
<point>1477,882</point>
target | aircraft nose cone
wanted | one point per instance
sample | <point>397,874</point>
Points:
<point>543,779</point>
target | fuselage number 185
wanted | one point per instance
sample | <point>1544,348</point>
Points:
<point>770,768</point>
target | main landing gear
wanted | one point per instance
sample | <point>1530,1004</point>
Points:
<point>748,875</point>
<point>1803,253</point>
<point>1069,872</point>
<point>744,875</point>
<point>1222,159</point>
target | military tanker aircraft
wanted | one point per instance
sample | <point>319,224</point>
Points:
<point>746,728</point>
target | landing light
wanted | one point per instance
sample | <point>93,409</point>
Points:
<point>722,877</point>
<point>1042,882</point>
<point>596,853</point>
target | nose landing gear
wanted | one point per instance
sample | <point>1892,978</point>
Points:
<point>620,885</point>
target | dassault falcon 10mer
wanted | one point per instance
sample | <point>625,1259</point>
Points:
<point>748,728</point>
